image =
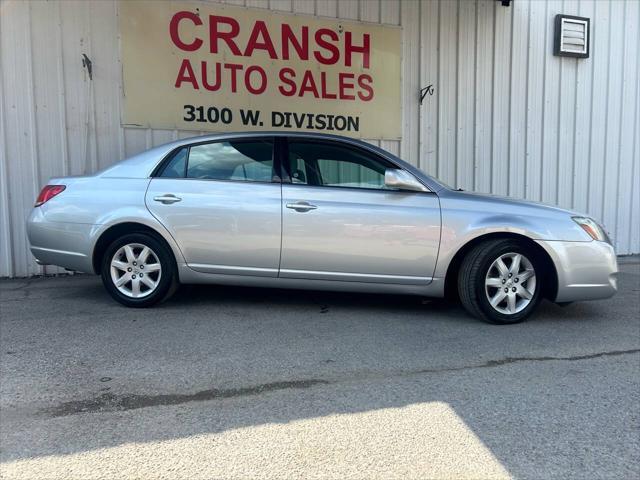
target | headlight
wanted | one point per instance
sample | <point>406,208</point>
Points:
<point>594,230</point>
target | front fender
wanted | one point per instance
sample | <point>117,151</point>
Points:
<point>468,217</point>
<point>452,241</point>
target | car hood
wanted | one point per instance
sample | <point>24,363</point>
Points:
<point>508,202</point>
<point>474,213</point>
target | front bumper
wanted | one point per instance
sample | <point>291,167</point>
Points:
<point>586,270</point>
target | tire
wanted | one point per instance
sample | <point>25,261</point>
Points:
<point>123,268</point>
<point>483,279</point>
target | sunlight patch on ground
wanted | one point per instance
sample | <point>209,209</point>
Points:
<point>416,441</point>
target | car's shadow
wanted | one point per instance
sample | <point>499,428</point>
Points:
<point>199,295</point>
<point>323,301</point>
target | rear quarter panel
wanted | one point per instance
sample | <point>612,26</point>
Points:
<point>74,220</point>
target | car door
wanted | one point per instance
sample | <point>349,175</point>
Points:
<point>221,201</point>
<point>340,221</point>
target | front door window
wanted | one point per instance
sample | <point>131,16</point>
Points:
<point>327,165</point>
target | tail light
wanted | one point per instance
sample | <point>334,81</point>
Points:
<point>48,192</point>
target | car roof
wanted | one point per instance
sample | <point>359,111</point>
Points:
<point>268,133</point>
<point>144,163</point>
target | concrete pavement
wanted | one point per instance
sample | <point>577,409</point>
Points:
<point>222,382</point>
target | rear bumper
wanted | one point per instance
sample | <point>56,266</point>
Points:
<point>67,245</point>
<point>586,270</point>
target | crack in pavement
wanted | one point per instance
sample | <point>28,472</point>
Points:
<point>510,360</point>
<point>110,402</point>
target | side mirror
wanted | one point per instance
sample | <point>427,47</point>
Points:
<point>402,180</point>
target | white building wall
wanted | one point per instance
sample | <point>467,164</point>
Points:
<point>506,117</point>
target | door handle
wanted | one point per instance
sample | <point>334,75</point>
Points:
<point>301,206</point>
<point>167,198</point>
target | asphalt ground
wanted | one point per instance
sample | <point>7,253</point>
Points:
<point>239,383</point>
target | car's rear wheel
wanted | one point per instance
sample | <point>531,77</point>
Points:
<point>138,270</point>
<point>500,281</point>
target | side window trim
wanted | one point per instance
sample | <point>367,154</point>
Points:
<point>186,163</point>
<point>279,152</point>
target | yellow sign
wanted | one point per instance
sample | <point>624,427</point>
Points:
<point>197,66</point>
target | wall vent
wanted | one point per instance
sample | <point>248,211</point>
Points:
<point>571,36</point>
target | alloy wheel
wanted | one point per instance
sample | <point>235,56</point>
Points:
<point>135,270</point>
<point>510,283</point>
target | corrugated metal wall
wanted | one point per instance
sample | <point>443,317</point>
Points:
<point>506,116</point>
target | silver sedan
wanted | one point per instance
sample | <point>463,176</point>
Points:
<point>312,211</point>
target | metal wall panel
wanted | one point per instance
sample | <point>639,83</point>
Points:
<point>485,26</point>
<point>506,116</point>
<point>429,32</point>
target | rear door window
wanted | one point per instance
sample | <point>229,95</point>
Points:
<point>243,160</point>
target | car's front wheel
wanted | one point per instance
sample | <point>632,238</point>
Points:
<point>500,281</point>
<point>138,270</point>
